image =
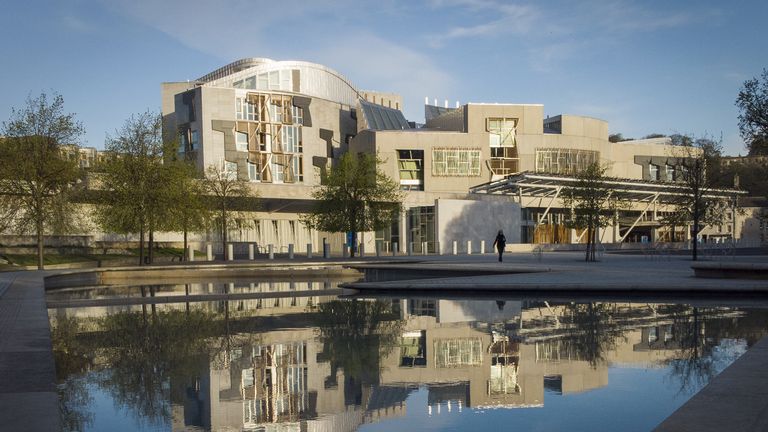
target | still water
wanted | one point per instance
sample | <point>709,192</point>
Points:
<point>327,363</point>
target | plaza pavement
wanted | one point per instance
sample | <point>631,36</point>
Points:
<point>735,400</point>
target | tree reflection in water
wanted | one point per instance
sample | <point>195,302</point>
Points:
<point>356,334</point>
<point>593,331</point>
<point>141,354</point>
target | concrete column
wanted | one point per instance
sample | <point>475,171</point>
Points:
<point>290,251</point>
<point>469,247</point>
<point>455,247</point>
<point>394,249</point>
<point>345,251</point>
<point>190,253</point>
<point>271,251</point>
<point>309,250</point>
<point>482,247</point>
<point>378,249</point>
<point>423,248</point>
<point>251,252</point>
<point>230,252</point>
<point>437,248</point>
<point>361,250</point>
<point>410,248</point>
<point>209,252</point>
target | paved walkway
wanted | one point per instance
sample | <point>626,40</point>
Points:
<point>28,398</point>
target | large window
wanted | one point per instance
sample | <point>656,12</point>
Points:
<point>241,141</point>
<point>291,139</point>
<point>194,140</point>
<point>458,352</point>
<point>455,162</point>
<point>411,166</point>
<point>653,172</point>
<point>230,170</point>
<point>565,161</point>
<point>254,174</point>
<point>671,173</point>
<point>273,80</point>
<point>501,131</point>
<point>245,110</point>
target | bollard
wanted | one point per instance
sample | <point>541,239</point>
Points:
<point>423,248</point>
<point>251,252</point>
<point>394,249</point>
<point>309,250</point>
<point>271,251</point>
<point>361,250</point>
<point>410,248</point>
<point>290,251</point>
<point>230,252</point>
<point>345,251</point>
<point>209,252</point>
<point>378,249</point>
<point>455,247</point>
<point>482,247</point>
<point>469,247</point>
<point>326,250</point>
<point>190,253</point>
<point>437,248</point>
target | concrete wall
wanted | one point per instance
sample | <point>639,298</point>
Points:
<point>463,220</point>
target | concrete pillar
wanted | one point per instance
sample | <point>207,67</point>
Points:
<point>309,250</point>
<point>410,248</point>
<point>423,248</point>
<point>378,249</point>
<point>290,251</point>
<point>361,250</point>
<point>345,251</point>
<point>455,247</point>
<point>394,249</point>
<point>190,253</point>
<point>469,247</point>
<point>271,251</point>
<point>209,252</point>
<point>230,252</point>
<point>482,247</point>
<point>251,252</point>
<point>437,248</point>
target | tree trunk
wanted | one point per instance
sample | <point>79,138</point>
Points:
<point>352,247</point>
<point>224,235</point>
<point>184,252</point>
<point>589,237</point>
<point>39,228</point>
<point>672,236</point>
<point>151,253</point>
<point>141,246</point>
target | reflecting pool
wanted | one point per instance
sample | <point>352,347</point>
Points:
<point>288,360</point>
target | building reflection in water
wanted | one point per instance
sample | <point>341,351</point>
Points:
<point>302,368</point>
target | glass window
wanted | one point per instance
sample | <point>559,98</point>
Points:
<point>671,173</point>
<point>241,141</point>
<point>501,131</point>
<point>411,166</point>
<point>230,170</point>
<point>455,162</point>
<point>254,174</point>
<point>183,142</point>
<point>291,139</point>
<point>564,161</point>
<point>298,115</point>
<point>298,168</point>
<point>278,172</point>
<point>653,171</point>
<point>276,112</point>
<point>194,140</point>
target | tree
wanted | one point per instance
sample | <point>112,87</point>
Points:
<point>752,102</point>
<point>693,162</point>
<point>593,204</point>
<point>134,180</point>
<point>618,137</point>
<point>37,174</point>
<point>227,193</point>
<point>355,196</point>
<point>187,206</point>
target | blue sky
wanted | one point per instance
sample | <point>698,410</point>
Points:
<point>645,67</point>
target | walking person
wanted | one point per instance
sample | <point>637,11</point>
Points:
<point>500,242</point>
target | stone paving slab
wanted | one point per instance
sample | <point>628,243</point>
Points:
<point>28,397</point>
<point>734,401</point>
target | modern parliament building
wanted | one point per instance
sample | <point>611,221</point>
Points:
<point>468,172</point>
